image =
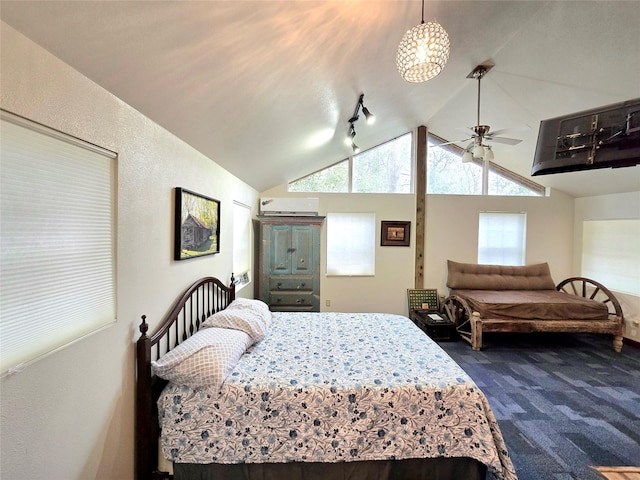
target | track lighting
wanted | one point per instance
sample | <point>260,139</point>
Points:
<point>351,133</point>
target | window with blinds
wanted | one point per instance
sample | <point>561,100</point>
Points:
<point>611,253</point>
<point>502,238</point>
<point>58,242</point>
<point>351,244</point>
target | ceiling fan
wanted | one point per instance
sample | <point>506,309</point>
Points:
<point>480,134</point>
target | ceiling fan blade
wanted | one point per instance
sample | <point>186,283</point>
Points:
<point>467,130</point>
<point>505,140</point>
<point>521,128</point>
<point>452,143</point>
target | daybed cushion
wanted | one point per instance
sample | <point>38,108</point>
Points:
<point>204,359</point>
<point>532,305</point>
<point>250,316</point>
<point>471,276</point>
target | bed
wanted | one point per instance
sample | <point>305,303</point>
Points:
<point>499,298</point>
<point>319,395</point>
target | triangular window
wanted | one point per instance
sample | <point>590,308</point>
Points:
<point>388,168</point>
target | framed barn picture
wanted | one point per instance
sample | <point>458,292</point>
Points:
<point>197,225</point>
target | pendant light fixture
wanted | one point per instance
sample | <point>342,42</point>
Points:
<point>423,51</point>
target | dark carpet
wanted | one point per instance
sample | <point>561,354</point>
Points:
<point>564,402</point>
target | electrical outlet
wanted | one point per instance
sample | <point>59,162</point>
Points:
<point>327,303</point>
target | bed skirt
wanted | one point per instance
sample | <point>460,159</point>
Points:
<point>409,469</point>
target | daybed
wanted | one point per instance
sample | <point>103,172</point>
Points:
<point>317,396</point>
<point>499,298</point>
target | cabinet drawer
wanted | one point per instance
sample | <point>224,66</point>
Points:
<point>300,300</point>
<point>295,283</point>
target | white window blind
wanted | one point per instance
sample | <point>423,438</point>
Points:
<point>502,238</point>
<point>57,256</point>
<point>611,253</point>
<point>241,242</point>
<point>351,244</point>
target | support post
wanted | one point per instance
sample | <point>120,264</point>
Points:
<point>421,194</point>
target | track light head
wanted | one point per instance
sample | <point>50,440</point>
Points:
<point>371,118</point>
<point>349,139</point>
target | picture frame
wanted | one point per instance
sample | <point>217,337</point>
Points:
<point>395,233</point>
<point>197,225</point>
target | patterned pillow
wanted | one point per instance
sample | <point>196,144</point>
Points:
<point>206,358</point>
<point>250,316</point>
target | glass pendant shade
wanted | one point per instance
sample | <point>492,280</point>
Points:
<point>423,52</point>
<point>478,151</point>
<point>489,154</point>
<point>467,157</point>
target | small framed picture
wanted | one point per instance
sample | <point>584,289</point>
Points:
<point>395,233</point>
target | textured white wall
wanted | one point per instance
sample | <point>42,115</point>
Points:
<point>70,415</point>
<point>610,207</point>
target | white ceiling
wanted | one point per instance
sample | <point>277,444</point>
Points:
<point>265,88</point>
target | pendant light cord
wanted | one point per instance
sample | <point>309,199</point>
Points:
<point>422,11</point>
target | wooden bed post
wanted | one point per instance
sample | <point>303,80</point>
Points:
<point>144,455</point>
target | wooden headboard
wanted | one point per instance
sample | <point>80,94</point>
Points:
<point>201,300</point>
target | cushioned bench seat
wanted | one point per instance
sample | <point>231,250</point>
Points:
<point>532,305</point>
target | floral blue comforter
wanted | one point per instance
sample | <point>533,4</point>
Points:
<point>332,387</point>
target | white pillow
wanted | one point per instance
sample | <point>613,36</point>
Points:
<point>206,358</point>
<point>250,316</point>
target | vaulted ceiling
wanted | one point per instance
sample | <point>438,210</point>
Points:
<point>265,88</point>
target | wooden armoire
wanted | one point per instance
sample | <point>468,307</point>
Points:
<point>289,262</point>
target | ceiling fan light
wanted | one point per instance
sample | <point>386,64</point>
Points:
<point>489,154</point>
<point>478,151</point>
<point>467,157</point>
<point>423,52</point>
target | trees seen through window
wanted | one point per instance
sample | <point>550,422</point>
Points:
<point>388,168</point>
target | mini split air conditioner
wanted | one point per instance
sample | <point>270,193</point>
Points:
<point>300,207</point>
